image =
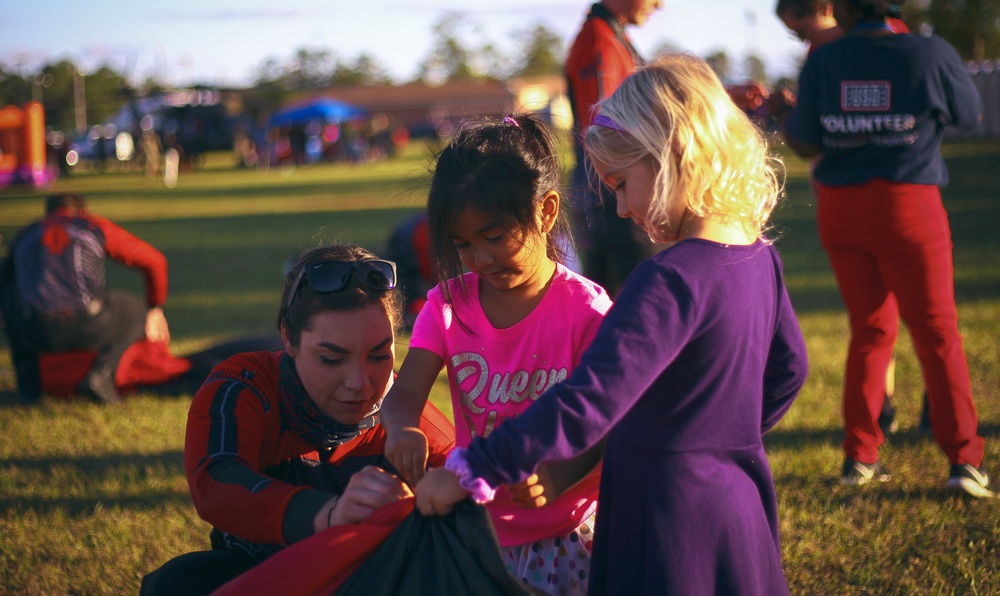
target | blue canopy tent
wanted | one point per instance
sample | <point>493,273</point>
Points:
<point>309,126</point>
<point>323,109</point>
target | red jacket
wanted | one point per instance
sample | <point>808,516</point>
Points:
<point>244,466</point>
<point>599,60</point>
<point>130,250</point>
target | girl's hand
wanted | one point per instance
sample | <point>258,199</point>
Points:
<point>368,490</point>
<point>438,492</point>
<point>532,491</point>
<point>407,449</point>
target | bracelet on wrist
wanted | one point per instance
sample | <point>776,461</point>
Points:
<point>329,512</point>
<point>479,489</point>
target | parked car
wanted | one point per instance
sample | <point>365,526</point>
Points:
<point>96,148</point>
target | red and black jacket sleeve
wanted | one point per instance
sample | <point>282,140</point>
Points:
<point>233,434</point>
<point>133,252</point>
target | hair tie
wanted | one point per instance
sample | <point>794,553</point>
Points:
<point>606,122</point>
<point>511,120</point>
<point>479,489</point>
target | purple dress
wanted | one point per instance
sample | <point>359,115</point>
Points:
<point>700,355</point>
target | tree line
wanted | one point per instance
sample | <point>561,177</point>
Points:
<point>459,51</point>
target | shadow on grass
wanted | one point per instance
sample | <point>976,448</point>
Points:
<point>86,506</point>
<point>834,493</point>
<point>96,469</point>
<point>837,495</point>
<point>403,186</point>
<point>792,438</point>
<point>10,400</point>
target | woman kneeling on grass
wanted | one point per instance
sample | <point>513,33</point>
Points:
<point>282,445</point>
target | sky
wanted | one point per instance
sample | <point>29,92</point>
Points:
<point>225,42</point>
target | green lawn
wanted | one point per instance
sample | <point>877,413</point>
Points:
<point>92,498</point>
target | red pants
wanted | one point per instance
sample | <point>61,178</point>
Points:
<point>890,249</point>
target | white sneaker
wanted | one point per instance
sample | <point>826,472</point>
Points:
<point>856,473</point>
<point>969,480</point>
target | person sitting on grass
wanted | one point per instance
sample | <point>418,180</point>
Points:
<point>282,445</point>
<point>54,299</point>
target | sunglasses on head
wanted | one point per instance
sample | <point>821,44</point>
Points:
<point>333,275</point>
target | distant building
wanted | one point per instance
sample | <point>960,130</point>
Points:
<point>546,95</point>
<point>425,110</point>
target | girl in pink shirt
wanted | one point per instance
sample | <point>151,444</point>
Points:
<point>514,324</point>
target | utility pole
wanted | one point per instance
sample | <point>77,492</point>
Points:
<point>751,23</point>
<point>40,81</point>
<point>79,99</point>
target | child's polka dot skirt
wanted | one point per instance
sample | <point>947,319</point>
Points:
<point>558,565</point>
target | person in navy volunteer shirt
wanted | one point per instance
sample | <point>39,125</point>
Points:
<point>874,105</point>
<point>813,22</point>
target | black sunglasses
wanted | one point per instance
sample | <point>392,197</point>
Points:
<point>332,276</point>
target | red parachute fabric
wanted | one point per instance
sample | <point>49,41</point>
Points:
<point>144,363</point>
<point>308,567</point>
<point>397,552</point>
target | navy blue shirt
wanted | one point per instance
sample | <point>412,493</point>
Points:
<point>878,107</point>
<point>59,263</point>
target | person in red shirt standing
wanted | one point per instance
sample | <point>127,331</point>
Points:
<point>55,299</point>
<point>600,58</point>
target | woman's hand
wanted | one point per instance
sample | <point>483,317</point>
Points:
<point>438,492</point>
<point>532,491</point>
<point>368,490</point>
<point>407,449</point>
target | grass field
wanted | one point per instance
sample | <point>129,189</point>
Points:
<point>92,498</point>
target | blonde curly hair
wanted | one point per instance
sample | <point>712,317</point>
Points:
<point>708,155</point>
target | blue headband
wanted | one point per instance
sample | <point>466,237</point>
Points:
<point>606,122</point>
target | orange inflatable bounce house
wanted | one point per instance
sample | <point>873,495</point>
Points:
<point>22,145</point>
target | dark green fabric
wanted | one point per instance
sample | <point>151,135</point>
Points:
<point>454,554</point>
